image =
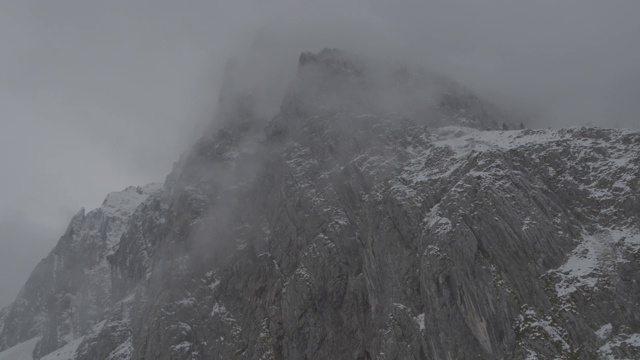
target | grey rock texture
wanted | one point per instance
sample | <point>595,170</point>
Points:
<point>377,215</point>
<point>369,235</point>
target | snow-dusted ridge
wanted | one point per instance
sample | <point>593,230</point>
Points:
<point>81,287</point>
<point>603,164</point>
<point>123,203</point>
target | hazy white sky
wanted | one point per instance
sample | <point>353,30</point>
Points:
<point>96,95</point>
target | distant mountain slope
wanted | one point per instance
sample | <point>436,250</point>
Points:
<point>69,290</point>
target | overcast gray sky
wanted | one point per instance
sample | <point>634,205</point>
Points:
<point>96,95</point>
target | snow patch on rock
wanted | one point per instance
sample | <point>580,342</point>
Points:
<point>21,351</point>
<point>607,351</point>
<point>595,257</point>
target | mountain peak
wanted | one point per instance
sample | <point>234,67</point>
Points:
<point>123,203</point>
<point>335,59</point>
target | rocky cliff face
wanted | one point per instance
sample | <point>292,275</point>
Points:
<point>378,215</point>
<point>68,292</point>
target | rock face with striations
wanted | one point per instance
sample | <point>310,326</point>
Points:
<point>378,215</point>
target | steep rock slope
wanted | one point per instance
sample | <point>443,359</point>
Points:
<point>359,233</point>
<point>378,215</point>
<point>415,247</point>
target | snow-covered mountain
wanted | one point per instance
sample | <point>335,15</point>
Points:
<point>380,214</point>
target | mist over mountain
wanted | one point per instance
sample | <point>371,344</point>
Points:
<point>342,179</point>
<point>118,88</point>
<point>360,209</point>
